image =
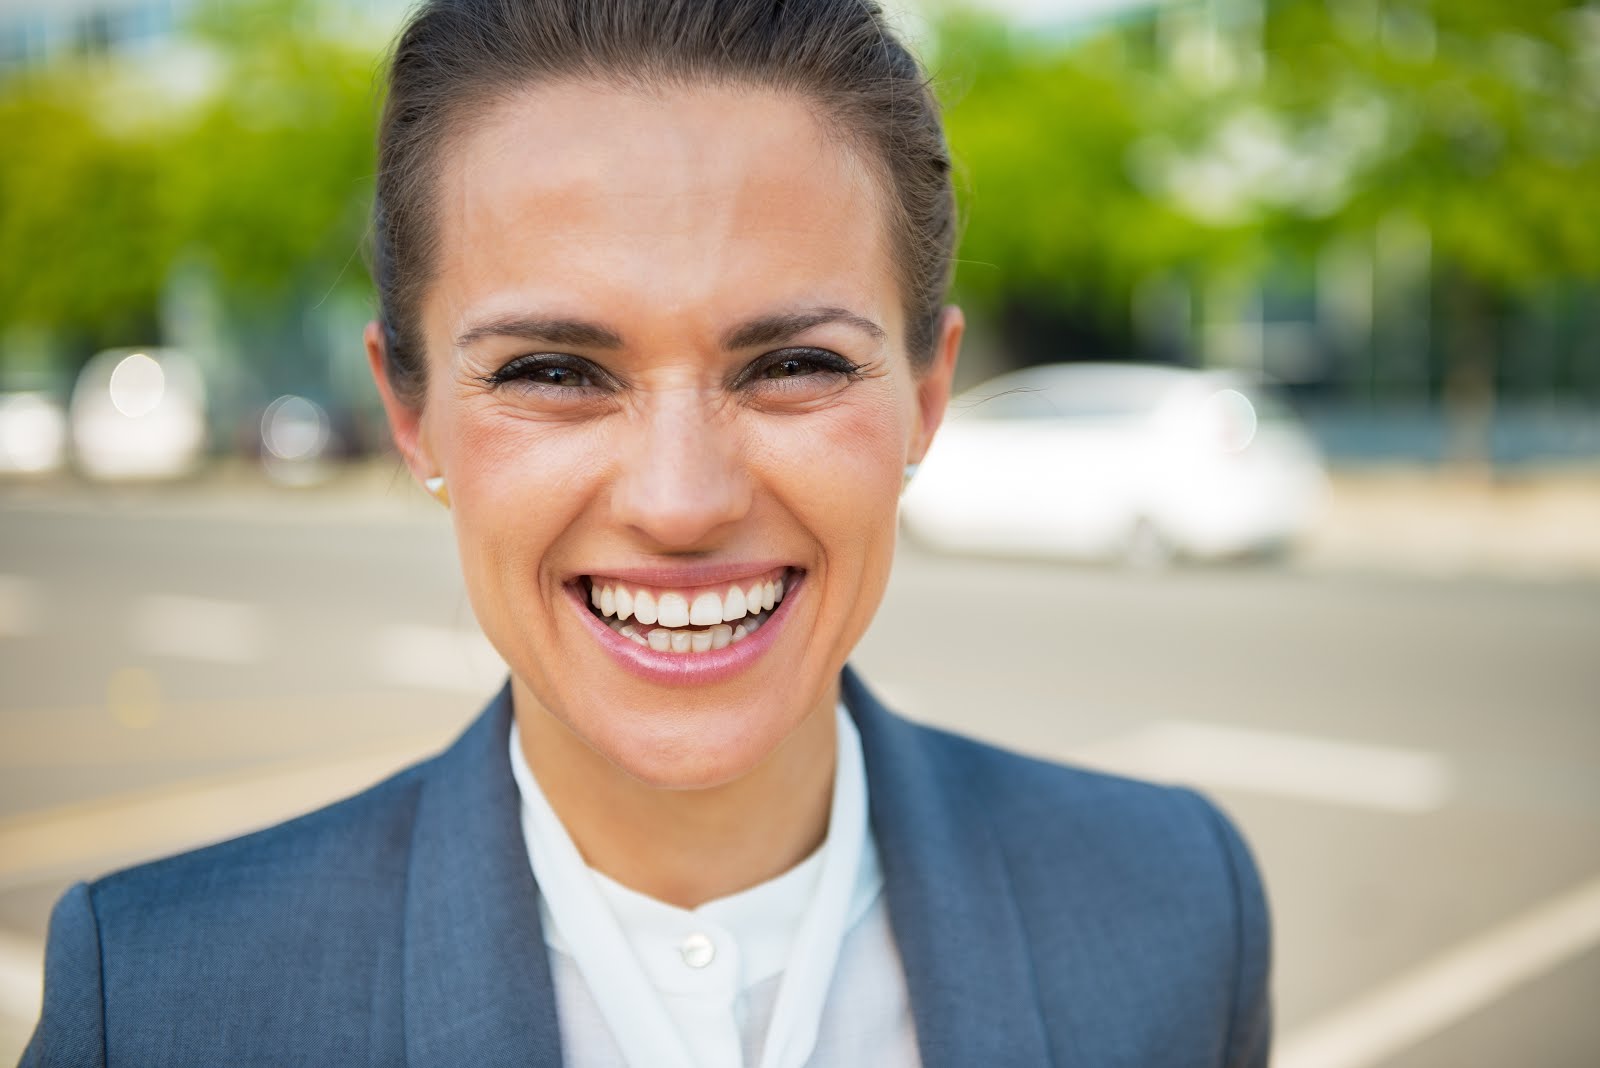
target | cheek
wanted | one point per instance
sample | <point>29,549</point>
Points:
<point>840,471</point>
<point>516,486</point>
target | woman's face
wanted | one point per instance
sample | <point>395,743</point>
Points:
<point>666,376</point>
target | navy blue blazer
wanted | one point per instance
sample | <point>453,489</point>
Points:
<point>1044,916</point>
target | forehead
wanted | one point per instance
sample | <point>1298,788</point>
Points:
<point>691,205</point>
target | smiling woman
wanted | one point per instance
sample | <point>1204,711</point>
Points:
<point>661,287</point>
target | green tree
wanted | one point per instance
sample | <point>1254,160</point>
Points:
<point>1193,141</point>
<point>109,182</point>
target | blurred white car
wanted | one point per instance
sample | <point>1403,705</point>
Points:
<point>33,434</point>
<point>1130,461</point>
<point>139,414</point>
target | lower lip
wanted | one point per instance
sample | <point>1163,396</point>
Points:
<point>688,669</point>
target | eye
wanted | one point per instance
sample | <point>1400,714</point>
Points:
<point>792,367</point>
<point>817,367</point>
<point>550,372</point>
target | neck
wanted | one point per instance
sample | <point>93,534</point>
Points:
<point>686,847</point>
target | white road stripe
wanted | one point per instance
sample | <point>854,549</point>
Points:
<point>198,628</point>
<point>437,658</point>
<point>19,607</point>
<point>21,977</point>
<point>1450,987</point>
<point>1284,765</point>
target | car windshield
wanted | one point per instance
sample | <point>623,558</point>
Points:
<point>1087,392</point>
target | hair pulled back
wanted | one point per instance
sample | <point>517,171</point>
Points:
<point>456,57</point>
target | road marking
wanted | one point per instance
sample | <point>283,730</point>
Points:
<point>437,658</point>
<point>1427,1000</point>
<point>19,607</point>
<point>84,839</point>
<point>198,628</point>
<point>1285,765</point>
<point>21,977</point>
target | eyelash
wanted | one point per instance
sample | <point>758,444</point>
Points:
<point>524,368</point>
<point>820,360</point>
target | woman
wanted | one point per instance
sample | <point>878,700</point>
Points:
<point>661,323</point>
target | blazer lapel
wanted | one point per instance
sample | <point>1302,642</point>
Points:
<point>968,967</point>
<point>477,975</point>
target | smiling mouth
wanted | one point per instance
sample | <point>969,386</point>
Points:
<point>694,620</point>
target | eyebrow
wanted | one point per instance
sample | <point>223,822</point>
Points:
<point>577,333</point>
<point>771,329</point>
<point>580,333</point>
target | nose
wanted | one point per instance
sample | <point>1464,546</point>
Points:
<point>684,478</point>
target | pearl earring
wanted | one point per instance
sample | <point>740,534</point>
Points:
<point>435,486</point>
<point>911,472</point>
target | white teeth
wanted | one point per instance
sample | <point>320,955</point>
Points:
<point>733,606</point>
<point>747,606</point>
<point>644,607</point>
<point>672,610</point>
<point>706,610</point>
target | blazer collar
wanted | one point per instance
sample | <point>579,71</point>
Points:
<point>477,977</point>
<point>969,970</point>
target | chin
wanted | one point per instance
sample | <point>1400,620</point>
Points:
<point>692,748</point>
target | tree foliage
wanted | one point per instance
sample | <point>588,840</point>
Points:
<point>112,177</point>
<point>1172,143</point>
<point>1181,143</point>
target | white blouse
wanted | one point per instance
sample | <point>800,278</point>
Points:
<point>801,969</point>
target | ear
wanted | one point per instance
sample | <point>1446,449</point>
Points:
<point>933,383</point>
<point>405,418</point>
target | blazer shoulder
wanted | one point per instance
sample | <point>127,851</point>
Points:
<point>279,940</point>
<point>194,929</point>
<point>1164,860</point>
<point>360,838</point>
<point>71,1029</point>
<point>1048,812</point>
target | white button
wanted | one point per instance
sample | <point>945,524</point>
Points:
<point>697,950</point>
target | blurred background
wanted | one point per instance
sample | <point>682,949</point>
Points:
<point>1275,470</point>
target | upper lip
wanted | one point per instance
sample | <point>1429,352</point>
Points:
<point>681,575</point>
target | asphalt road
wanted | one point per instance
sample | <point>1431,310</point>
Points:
<point>1415,760</point>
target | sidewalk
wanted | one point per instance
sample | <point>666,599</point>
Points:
<point>1543,525</point>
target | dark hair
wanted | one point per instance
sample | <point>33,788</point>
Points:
<point>457,55</point>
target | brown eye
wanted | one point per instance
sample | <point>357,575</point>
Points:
<point>797,363</point>
<point>792,367</point>
<point>556,376</point>
<point>550,373</point>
